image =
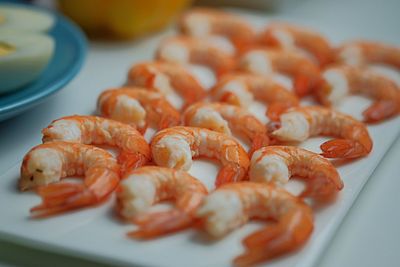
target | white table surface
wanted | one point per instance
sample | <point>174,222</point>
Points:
<point>369,235</point>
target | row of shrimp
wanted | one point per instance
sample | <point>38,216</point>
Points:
<point>208,122</point>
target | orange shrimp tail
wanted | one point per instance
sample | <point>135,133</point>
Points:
<point>168,121</point>
<point>58,198</point>
<point>322,194</point>
<point>259,141</point>
<point>230,98</point>
<point>225,68</point>
<point>275,110</point>
<point>380,110</point>
<point>160,223</point>
<point>142,130</point>
<point>302,85</point>
<point>130,161</point>
<point>343,148</point>
<point>291,233</point>
<point>229,174</point>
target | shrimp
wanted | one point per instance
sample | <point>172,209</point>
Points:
<point>216,116</point>
<point>232,205</point>
<point>138,107</point>
<point>203,22</point>
<point>278,163</point>
<point>174,148</point>
<point>166,77</point>
<point>300,123</point>
<point>142,188</point>
<point>241,89</point>
<point>361,53</point>
<point>292,37</point>
<point>134,150</point>
<point>342,80</point>
<point>44,165</point>
<point>185,49</point>
<point>304,72</point>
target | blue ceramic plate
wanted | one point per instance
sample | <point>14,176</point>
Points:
<point>67,60</point>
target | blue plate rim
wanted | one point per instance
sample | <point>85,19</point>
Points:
<point>59,83</point>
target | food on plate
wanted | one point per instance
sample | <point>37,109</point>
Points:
<point>138,107</point>
<point>300,123</point>
<point>223,118</point>
<point>361,53</point>
<point>203,22</point>
<point>293,37</point>
<point>166,77</point>
<point>175,147</point>
<point>122,19</point>
<point>134,149</point>
<point>150,98</point>
<point>243,88</point>
<point>232,205</point>
<point>277,164</point>
<point>23,57</point>
<point>201,51</point>
<point>142,188</point>
<point>44,165</point>
<point>340,81</point>
<point>24,19</point>
<point>304,72</point>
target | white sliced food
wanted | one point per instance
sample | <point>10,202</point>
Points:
<point>25,19</point>
<point>23,57</point>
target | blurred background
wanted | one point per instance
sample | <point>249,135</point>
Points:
<point>129,19</point>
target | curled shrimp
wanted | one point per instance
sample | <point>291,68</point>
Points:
<point>242,88</point>
<point>300,123</point>
<point>292,37</point>
<point>138,107</point>
<point>222,118</point>
<point>342,80</point>
<point>185,50</point>
<point>174,148</point>
<point>134,150</point>
<point>304,72</point>
<point>203,22</point>
<point>166,77</point>
<point>232,205</point>
<point>142,188</point>
<point>278,163</point>
<point>361,53</point>
<point>44,165</point>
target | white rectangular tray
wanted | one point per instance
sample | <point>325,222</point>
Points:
<point>96,234</point>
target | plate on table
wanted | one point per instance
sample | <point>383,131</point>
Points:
<point>69,55</point>
<point>96,234</point>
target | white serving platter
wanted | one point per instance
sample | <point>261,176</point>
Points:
<point>96,234</point>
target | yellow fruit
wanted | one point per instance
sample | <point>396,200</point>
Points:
<point>122,19</point>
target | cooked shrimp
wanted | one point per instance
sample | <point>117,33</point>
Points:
<point>304,72</point>
<point>241,89</point>
<point>203,22</point>
<point>166,77</point>
<point>342,80</point>
<point>222,118</point>
<point>300,123</point>
<point>185,50</point>
<point>361,53</point>
<point>278,163</point>
<point>232,205</point>
<point>142,188</point>
<point>44,165</point>
<point>134,150</point>
<point>292,37</point>
<point>138,107</point>
<point>174,148</point>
